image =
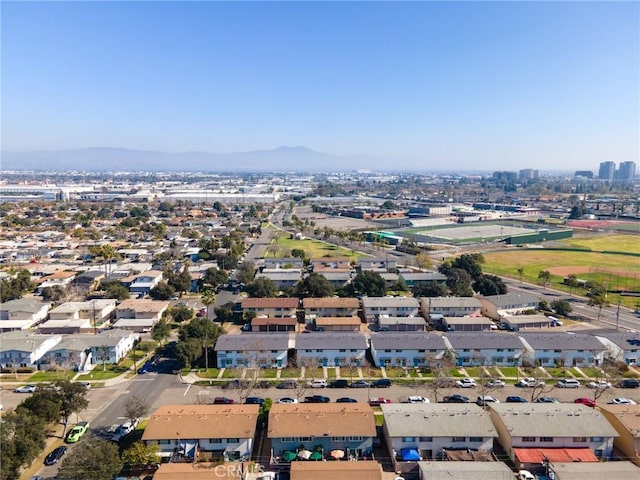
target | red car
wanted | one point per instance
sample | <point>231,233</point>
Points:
<point>376,402</point>
<point>585,401</point>
<point>222,401</point>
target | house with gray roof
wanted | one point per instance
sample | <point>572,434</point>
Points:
<point>622,346</point>
<point>408,349</point>
<point>376,307</point>
<point>462,470</point>
<point>567,430</point>
<point>467,324</point>
<point>451,306</point>
<point>281,278</point>
<point>413,278</point>
<point>284,263</point>
<point>428,429</point>
<point>266,350</point>
<point>516,323</point>
<point>402,324</point>
<point>563,348</point>
<point>22,349</point>
<point>499,306</point>
<point>328,349</point>
<point>377,264</point>
<point>506,349</point>
<point>22,313</point>
<point>336,278</point>
<point>620,470</point>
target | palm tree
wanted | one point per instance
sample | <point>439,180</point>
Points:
<point>208,297</point>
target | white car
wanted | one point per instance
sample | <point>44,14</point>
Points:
<point>317,383</point>
<point>496,383</point>
<point>26,389</point>
<point>525,475</point>
<point>482,401</point>
<point>622,401</point>
<point>123,430</point>
<point>568,383</point>
<point>599,384</point>
<point>287,400</point>
<point>466,383</point>
<point>417,399</point>
<point>530,382</point>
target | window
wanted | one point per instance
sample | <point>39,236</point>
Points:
<point>305,439</point>
<point>338,439</point>
<point>528,439</point>
<point>476,439</point>
<point>500,349</point>
<point>458,439</point>
<point>546,439</point>
<point>342,350</point>
<point>596,439</point>
<point>215,440</point>
<point>408,439</point>
<point>421,351</point>
<point>579,439</point>
<point>387,351</point>
<point>233,440</point>
<point>320,350</point>
<point>288,439</point>
<point>274,351</point>
<point>355,439</point>
<point>426,439</point>
<point>163,442</point>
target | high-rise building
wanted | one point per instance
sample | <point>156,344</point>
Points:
<point>627,171</point>
<point>528,174</point>
<point>607,171</point>
<point>505,176</point>
<point>584,173</point>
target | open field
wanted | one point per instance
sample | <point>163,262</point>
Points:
<point>610,243</point>
<point>313,248</point>
<point>611,225</point>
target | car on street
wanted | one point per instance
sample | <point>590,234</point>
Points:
<point>25,389</point>
<point>602,384</point>
<point>622,401</point>
<point>359,384</point>
<point>547,400</point>
<point>123,430</point>
<point>567,383</point>
<point>466,383</point>
<point>287,385</point>
<point>316,399</point>
<point>317,383</point>
<point>55,455</point>
<point>340,383</point>
<point>254,401</point>
<point>516,399</point>
<point>417,399</point>
<point>525,475</point>
<point>482,401</point>
<point>145,368</point>
<point>287,400</point>
<point>77,432</point>
<point>246,327</point>
<point>346,400</point>
<point>223,401</point>
<point>456,398</point>
<point>529,382</point>
<point>589,402</point>
<point>629,383</point>
<point>381,383</point>
<point>496,383</point>
<point>376,402</point>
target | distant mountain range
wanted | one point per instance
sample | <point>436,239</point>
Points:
<point>102,159</point>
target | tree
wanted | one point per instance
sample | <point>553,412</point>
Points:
<point>458,280</point>
<point>224,313</point>
<point>298,252</point>
<point>162,291</point>
<point>315,285</point>
<point>188,351</point>
<point>208,298</point>
<point>489,285</point>
<point>520,271</point>
<point>226,261</point>
<point>161,331</point>
<point>181,313</point>
<point>140,454</point>
<point>107,253</point>
<point>135,408</point>
<point>429,289</point>
<point>96,460</point>
<point>201,332</point>
<point>545,277</point>
<point>571,281</point>
<point>15,287</point>
<point>44,403</point>
<point>53,294</point>
<point>262,287</point>
<point>73,399</point>
<point>369,283</point>
<point>181,282</point>
<point>117,291</point>
<point>22,436</point>
<point>215,277</point>
<point>561,307</point>
<point>424,261</point>
<point>440,367</point>
<point>470,263</point>
<point>246,272</point>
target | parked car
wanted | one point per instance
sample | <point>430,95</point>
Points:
<point>25,389</point>
<point>77,432</point>
<point>466,383</point>
<point>381,383</point>
<point>55,455</point>
<point>455,399</point>
<point>516,399</point>
<point>496,383</point>
<point>482,401</point>
<point>317,383</point>
<point>340,383</point>
<point>289,384</point>
<point>346,400</point>
<point>317,399</point>
<point>599,384</point>
<point>589,402</point>
<point>359,384</point>
<point>123,430</point>
<point>375,402</point>
<point>525,475</point>
<point>629,383</point>
<point>254,401</point>
<point>246,327</point>
<point>223,401</point>
<point>530,382</point>
<point>547,400</point>
<point>417,399</point>
<point>622,401</point>
<point>567,383</point>
<point>287,400</point>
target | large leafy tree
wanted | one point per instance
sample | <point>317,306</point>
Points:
<point>471,263</point>
<point>429,289</point>
<point>315,285</point>
<point>561,307</point>
<point>72,396</point>
<point>141,454</point>
<point>262,287</point>
<point>22,436</point>
<point>246,272</point>
<point>45,403</point>
<point>15,287</point>
<point>489,285</point>
<point>181,313</point>
<point>161,331</point>
<point>369,283</point>
<point>135,407</point>
<point>96,460</point>
<point>162,291</point>
<point>117,291</point>
<point>458,280</point>
<point>215,277</point>
<point>181,281</point>
<point>196,338</point>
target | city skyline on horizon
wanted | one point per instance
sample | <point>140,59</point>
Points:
<point>429,85</point>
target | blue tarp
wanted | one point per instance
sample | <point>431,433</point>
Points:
<point>188,448</point>
<point>410,454</point>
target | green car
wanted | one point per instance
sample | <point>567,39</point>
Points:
<point>76,432</point>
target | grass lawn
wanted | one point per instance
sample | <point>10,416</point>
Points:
<point>290,373</point>
<point>592,372</point>
<point>454,372</point>
<point>474,372</point>
<point>268,373</point>
<point>413,373</point>
<point>313,248</point>
<point>211,373</point>
<point>331,373</point>
<point>394,372</point>
<point>232,373</point>
<point>379,419</point>
<point>556,372</point>
<point>508,371</point>
<point>575,373</point>
<point>51,376</point>
<point>111,371</point>
<point>372,372</point>
<point>618,243</point>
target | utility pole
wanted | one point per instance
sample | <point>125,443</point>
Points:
<point>618,314</point>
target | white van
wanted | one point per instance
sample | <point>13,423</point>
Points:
<point>568,383</point>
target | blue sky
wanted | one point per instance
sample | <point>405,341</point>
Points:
<point>439,84</point>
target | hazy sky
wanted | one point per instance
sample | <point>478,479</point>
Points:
<point>551,85</point>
